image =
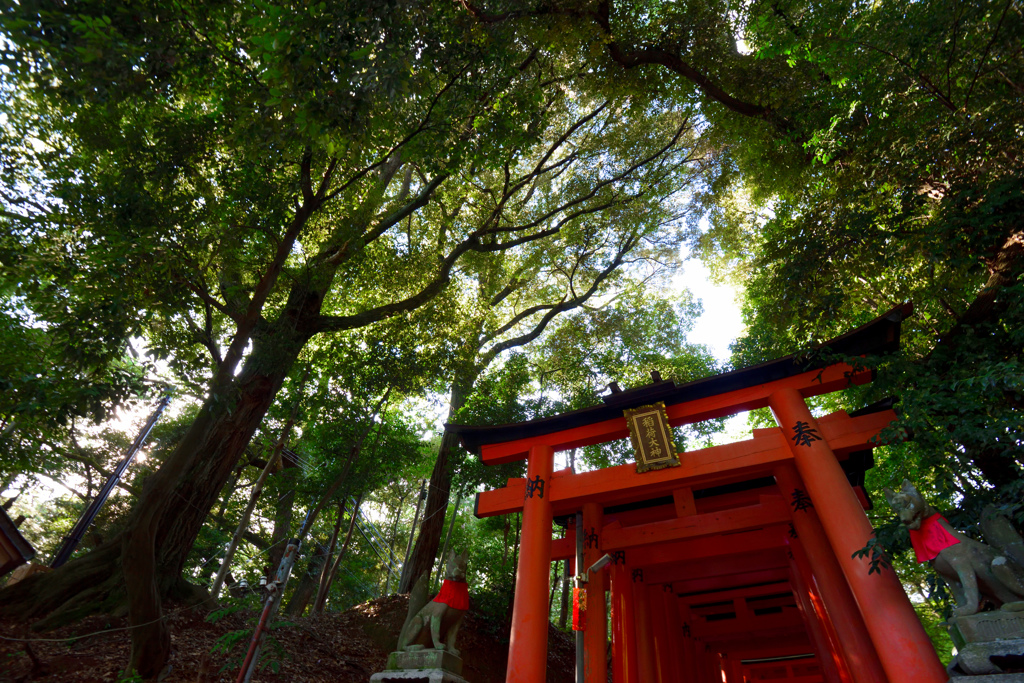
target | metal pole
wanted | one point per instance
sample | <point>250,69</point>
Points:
<point>579,572</point>
<point>85,521</point>
<point>273,601</point>
<point>276,590</point>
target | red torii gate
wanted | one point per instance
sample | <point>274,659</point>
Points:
<point>737,563</point>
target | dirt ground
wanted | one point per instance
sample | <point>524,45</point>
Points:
<point>345,647</point>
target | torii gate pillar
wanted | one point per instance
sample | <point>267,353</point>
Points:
<point>835,593</point>
<point>903,646</point>
<point>528,646</point>
<point>646,666</point>
<point>595,636</point>
<point>624,656</point>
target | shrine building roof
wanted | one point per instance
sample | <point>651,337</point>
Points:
<point>880,336</point>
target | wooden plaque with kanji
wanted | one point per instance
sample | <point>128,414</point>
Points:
<point>652,437</point>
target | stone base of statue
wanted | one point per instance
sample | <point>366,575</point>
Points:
<point>436,666</point>
<point>990,646</point>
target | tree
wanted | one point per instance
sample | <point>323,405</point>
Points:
<point>916,197</point>
<point>912,191</point>
<point>607,181</point>
<point>269,175</point>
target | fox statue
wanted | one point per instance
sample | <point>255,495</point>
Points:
<point>436,623</point>
<point>976,572</point>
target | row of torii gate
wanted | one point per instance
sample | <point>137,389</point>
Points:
<point>738,564</point>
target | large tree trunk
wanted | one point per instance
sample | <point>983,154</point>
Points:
<point>141,567</point>
<point>177,499</point>
<point>425,550</point>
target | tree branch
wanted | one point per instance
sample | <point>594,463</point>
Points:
<point>561,307</point>
<point>634,58</point>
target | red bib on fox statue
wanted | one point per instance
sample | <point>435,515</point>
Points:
<point>931,539</point>
<point>455,594</point>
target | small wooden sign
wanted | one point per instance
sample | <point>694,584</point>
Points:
<point>652,437</point>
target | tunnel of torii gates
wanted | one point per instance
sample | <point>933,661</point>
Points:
<point>737,564</point>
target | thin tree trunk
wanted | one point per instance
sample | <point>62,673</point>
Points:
<point>554,585</point>
<point>307,583</point>
<point>325,586</point>
<point>243,525</point>
<point>391,541</point>
<point>415,519</point>
<point>563,609</point>
<point>229,489</point>
<point>447,539</point>
<point>283,507</point>
<point>330,554</point>
<point>515,563</point>
<point>432,528</point>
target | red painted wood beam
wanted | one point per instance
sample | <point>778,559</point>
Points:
<point>684,587</point>
<point>692,549</point>
<point>755,626</point>
<point>684,550</point>
<point>738,564</point>
<point>812,383</point>
<point>745,592</point>
<point>740,606</point>
<point>564,548</point>
<point>773,646</point>
<point>771,510</point>
<point>727,463</point>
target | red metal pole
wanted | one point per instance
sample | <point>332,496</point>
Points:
<point>903,646</point>
<point>528,642</point>
<point>828,576</point>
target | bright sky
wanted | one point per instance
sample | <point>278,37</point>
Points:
<point>720,324</point>
<point>717,328</point>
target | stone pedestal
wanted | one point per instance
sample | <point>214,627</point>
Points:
<point>981,637</point>
<point>435,666</point>
<point>431,675</point>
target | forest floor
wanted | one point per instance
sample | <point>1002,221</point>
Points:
<point>343,647</point>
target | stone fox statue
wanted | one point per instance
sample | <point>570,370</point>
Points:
<point>972,569</point>
<point>437,622</point>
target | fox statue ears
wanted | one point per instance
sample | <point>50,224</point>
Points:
<point>463,556</point>
<point>907,489</point>
<point>890,496</point>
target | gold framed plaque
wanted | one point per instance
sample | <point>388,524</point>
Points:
<point>652,437</point>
